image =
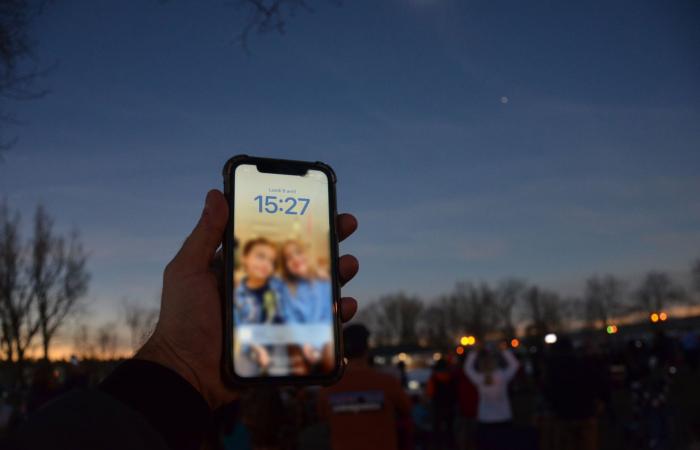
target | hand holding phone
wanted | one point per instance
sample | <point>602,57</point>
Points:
<point>282,291</point>
<point>188,336</point>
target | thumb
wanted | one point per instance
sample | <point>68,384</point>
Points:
<point>199,248</point>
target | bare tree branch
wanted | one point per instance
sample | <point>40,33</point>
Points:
<point>603,299</point>
<point>107,340</point>
<point>267,16</point>
<point>695,276</point>
<point>543,310</point>
<point>509,294</point>
<point>58,276</point>
<point>82,342</point>
<point>19,72</point>
<point>393,319</point>
<point>657,292</point>
<point>41,282</point>
<point>19,323</point>
<point>140,320</point>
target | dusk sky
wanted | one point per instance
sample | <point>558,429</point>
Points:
<point>473,139</point>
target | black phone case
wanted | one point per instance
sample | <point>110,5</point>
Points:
<point>282,166</point>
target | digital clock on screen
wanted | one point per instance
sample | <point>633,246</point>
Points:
<point>273,204</point>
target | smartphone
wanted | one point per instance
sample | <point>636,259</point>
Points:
<point>281,293</point>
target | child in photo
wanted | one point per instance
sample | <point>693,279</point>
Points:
<point>259,293</point>
<point>308,298</point>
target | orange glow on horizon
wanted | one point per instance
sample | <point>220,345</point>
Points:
<point>63,352</point>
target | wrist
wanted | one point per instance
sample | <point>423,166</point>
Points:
<point>160,351</point>
<point>166,400</point>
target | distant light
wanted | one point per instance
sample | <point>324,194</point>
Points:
<point>550,338</point>
<point>504,99</point>
<point>460,350</point>
<point>672,370</point>
<point>403,357</point>
<point>437,356</point>
<point>413,385</point>
<point>663,316</point>
<point>471,340</point>
<point>611,329</point>
<point>514,343</point>
<point>380,360</point>
<point>464,340</point>
<point>638,343</point>
<point>654,317</point>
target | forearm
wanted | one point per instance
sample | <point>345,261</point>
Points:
<point>140,405</point>
<point>171,405</point>
<point>512,363</point>
<point>470,366</point>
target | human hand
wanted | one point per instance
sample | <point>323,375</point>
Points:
<point>188,336</point>
<point>260,356</point>
<point>311,355</point>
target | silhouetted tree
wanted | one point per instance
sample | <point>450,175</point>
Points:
<point>270,16</point>
<point>41,282</point>
<point>433,326</point>
<point>17,77</point>
<point>58,276</point>
<point>695,276</point>
<point>657,292</point>
<point>393,319</point>
<point>107,340</point>
<point>19,324</point>
<point>475,308</point>
<point>140,320</point>
<point>602,299</point>
<point>509,293</point>
<point>451,314</point>
<point>543,311</point>
<point>369,315</point>
<point>83,346</point>
<point>5,336</point>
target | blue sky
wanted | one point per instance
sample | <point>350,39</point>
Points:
<point>473,140</point>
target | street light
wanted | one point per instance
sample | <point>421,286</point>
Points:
<point>515,343</point>
<point>550,338</point>
<point>611,329</point>
<point>663,316</point>
<point>464,340</point>
<point>654,317</point>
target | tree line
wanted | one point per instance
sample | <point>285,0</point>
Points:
<point>43,285</point>
<point>488,310</point>
<point>42,281</point>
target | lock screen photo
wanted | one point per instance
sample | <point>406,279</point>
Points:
<point>283,300</point>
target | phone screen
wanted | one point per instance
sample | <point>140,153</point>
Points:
<point>283,296</point>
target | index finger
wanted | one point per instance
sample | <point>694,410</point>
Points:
<point>347,224</point>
